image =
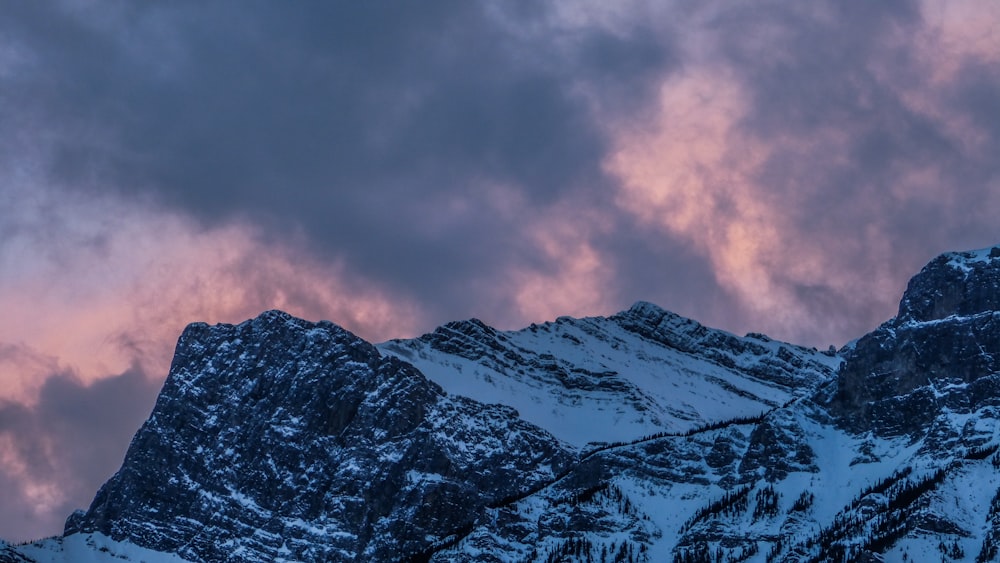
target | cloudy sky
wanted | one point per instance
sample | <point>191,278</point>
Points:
<point>772,166</point>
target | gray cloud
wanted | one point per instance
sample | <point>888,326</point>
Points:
<point>663,270</point>
<point>387,133</point>
<point>66,445</point>
<point>360,124</point>
<point>976,93</point>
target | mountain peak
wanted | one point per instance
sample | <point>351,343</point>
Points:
<point>469,327</point>
<point>308,435</point>
<point>646,309</point>
<point>943,347</point>
<point>954,283</point>
<point>605,379</point>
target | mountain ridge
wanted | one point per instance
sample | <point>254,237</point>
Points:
<point>617,371</point>
<point>642,436</point>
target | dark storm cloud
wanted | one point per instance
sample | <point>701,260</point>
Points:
<point>360,123</point>
<point>73,439</point>
<point>664,271</point>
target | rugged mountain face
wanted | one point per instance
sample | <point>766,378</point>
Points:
<point>940,354</point>
<point>638,437</point>
<point>280,438</point>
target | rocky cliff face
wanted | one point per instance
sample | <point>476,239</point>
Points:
<point>941,353</point>
<point>639,437</point>
<point>280,438</point>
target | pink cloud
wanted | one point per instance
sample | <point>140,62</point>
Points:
<point>575,278</point>
<point>120,283</point>
<point>752,203</point>
<point>958,30</point>
<point>691,172</point>
<point>91,290</point>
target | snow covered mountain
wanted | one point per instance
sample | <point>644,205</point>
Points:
<point>598,379</point>
<point>638,437</point>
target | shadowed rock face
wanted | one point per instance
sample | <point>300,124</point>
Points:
<point>942,349</point>
<point>953,284</point>
<point>280,437</point>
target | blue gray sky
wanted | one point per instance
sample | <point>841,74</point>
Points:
<point>769,166</point>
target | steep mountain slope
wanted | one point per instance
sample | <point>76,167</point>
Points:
<point>638,437</point>
<point>895,460</point>
<point>938,355</point>
<point>283,439</point>
<point>642,371</point>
